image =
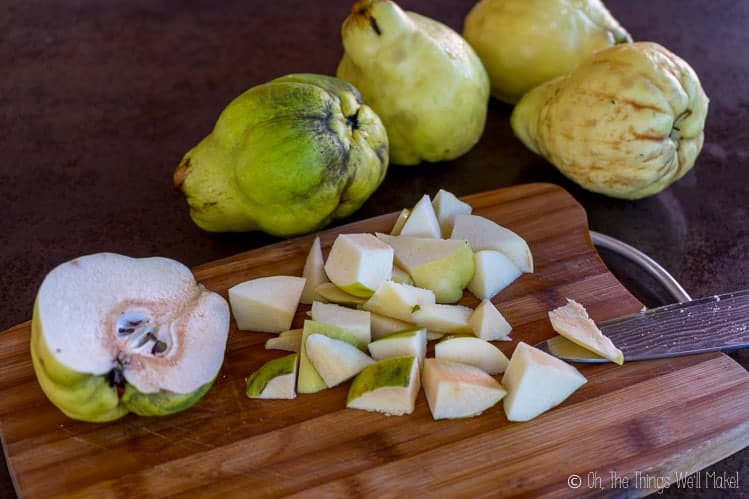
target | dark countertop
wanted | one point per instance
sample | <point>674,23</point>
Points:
<point>99,100</point>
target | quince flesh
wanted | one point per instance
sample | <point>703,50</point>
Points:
<point>112,335</point>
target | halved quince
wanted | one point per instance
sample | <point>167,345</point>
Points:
<point>112,334</point>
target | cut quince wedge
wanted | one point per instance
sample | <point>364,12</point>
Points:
<point>572,322</point>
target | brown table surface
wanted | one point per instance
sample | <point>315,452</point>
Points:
<point>99,100</point>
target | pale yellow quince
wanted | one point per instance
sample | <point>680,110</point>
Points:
<point>421,78</point>
<point>627,122</point>
<point>524,43</point>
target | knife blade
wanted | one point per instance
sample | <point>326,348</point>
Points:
<point>719,322</point>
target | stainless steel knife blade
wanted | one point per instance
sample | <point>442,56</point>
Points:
<point>710,324</point>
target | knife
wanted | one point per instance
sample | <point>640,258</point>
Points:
<point>719,322</point>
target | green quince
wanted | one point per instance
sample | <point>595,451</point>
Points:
<point>286,157</point>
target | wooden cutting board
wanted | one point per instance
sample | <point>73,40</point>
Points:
<point>643,422</point>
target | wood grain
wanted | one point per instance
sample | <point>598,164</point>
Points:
<point>655,418</point>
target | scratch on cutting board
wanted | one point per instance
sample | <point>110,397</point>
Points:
<point>197,412</point>
<point>152,432</point>
<point>198,442</point>
<point>181,438</point>
<point>76,438</point>
<point>283,477</point>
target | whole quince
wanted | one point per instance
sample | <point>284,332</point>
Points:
<point>627,122</point>
<point>421,77</point>
<point>524,43</point>
<point>286,157</point>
